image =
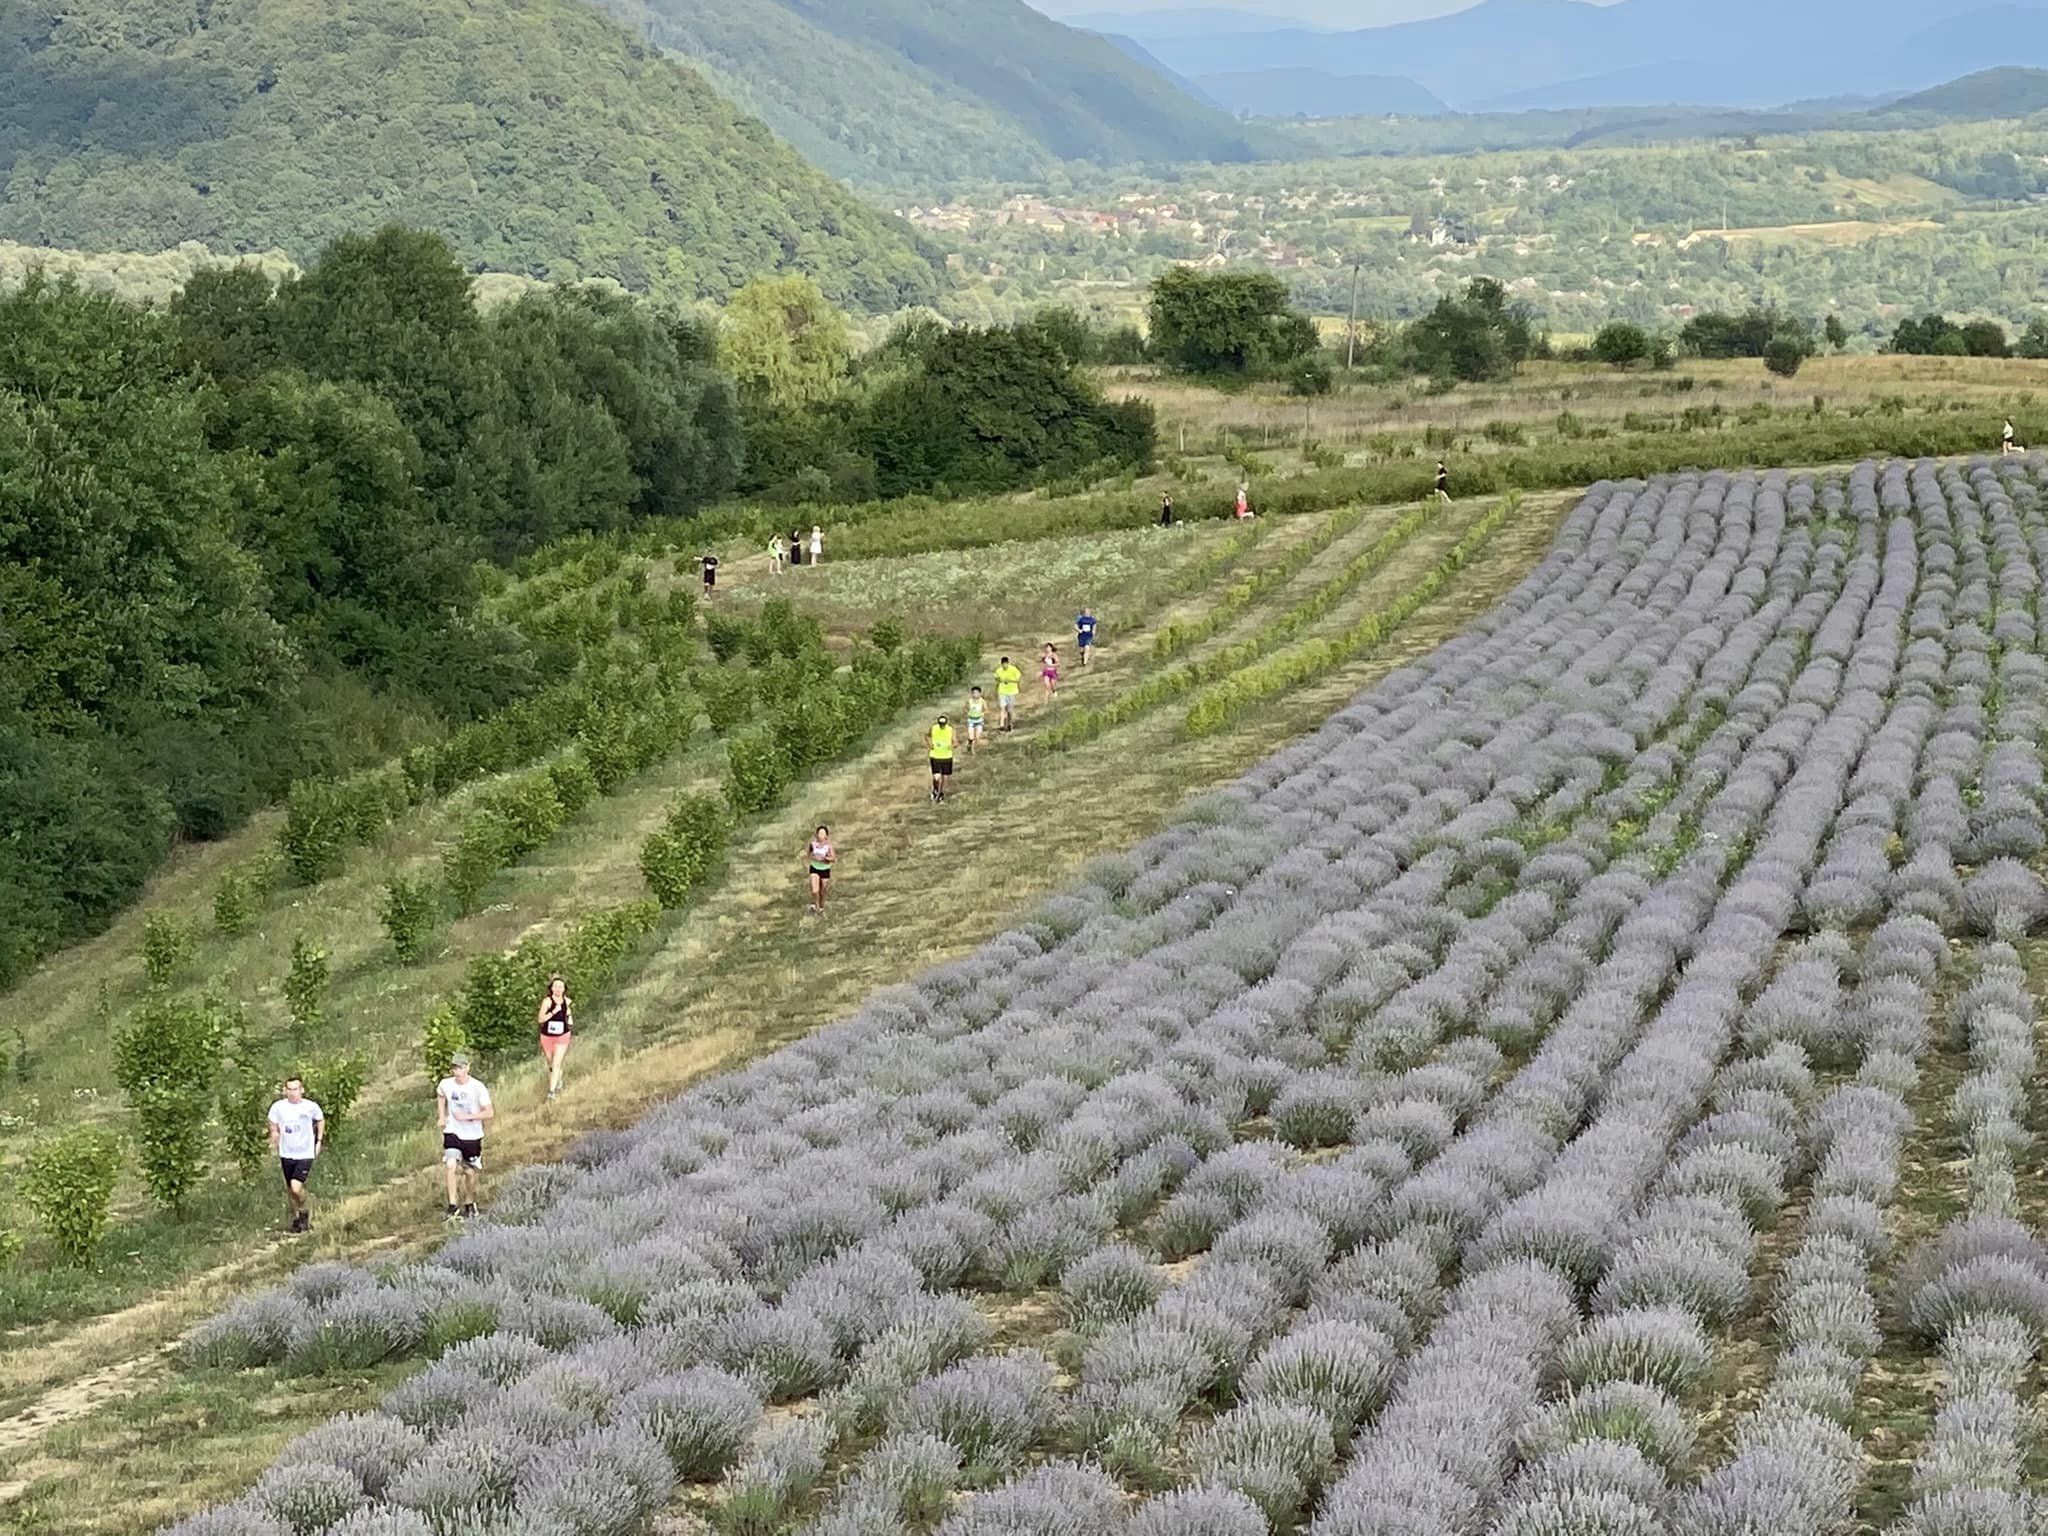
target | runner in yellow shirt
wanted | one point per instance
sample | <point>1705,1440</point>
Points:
<point>941,740</point>
<point>1008,680</point>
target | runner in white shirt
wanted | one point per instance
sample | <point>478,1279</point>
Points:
<point>297,1132</point>
<point>463,1105</point>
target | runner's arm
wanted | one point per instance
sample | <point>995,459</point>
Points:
<point>441,1112</point>
<point>272,1129</point>
<point>319,1134</point>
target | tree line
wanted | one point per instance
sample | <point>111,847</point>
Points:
<point>244,536</point>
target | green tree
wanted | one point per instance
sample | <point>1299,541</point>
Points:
<point>1784,356</point>
<point>1835,333</point>
<point>785,345</point>
<point>1621,344</point>
<point>1480,335</point>
<point>1226,322</point>
<point>2033,342</point>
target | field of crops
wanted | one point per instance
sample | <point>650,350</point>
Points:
<point>1411,1140</point>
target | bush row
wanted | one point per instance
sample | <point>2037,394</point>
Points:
<point>1158,689</point>
<point>494,1011</point>
<point>1176,638</point>
<point>1291,669</point>
<point>324,818</point>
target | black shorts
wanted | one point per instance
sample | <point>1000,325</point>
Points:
<point>942,766</point>
<point>469,1153</point>
<point>297,1170</point>
<point>820,874</point>
<point>711,578</point>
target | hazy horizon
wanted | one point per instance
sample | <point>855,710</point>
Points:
<point>1321,13</point>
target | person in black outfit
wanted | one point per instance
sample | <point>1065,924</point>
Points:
<point>1443,481</point>
<point>709,563</point>
<point>1166,510</point>
<point>796,546</point>
<point>557,1020</point>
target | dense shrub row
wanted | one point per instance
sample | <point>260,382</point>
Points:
<point>1224,701</point>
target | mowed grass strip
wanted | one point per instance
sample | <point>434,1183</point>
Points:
<point>918,884</point>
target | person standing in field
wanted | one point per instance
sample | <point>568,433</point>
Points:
<point>1049,671</point>
<point>1443,481</point>
<point>796,546</point>
<point>2006,442</point>
<point>940,741</point>
<point>775,555</point>
<point>1166,509</point>
<point>817,545</point>
<point>557,1029</point>
<point>1244,500</point>
<point>820,854</point>
<point>1084,633</point>
<point>1008,680</point>
<point>297,1133</point>
<point>977,718</point>
<point>708,564</point>
<point>463,1108</point>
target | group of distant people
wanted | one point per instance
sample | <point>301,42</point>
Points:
<point>792,553</point>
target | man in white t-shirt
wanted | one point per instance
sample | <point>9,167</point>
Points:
<point>464,1106</point>
<point>297,1132</point>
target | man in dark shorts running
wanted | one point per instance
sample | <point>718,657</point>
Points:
<point>941,741</point>
<point>463,1105</point>
<point>1084,634</point>
<point>297,1132</point>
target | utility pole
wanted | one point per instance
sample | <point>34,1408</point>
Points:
<point>1351,334</point>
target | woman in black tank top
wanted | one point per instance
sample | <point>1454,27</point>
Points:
<point>557,1028</point>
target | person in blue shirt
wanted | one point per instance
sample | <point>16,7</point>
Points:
<point>1084,634</point>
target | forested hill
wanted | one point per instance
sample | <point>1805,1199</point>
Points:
<point>537,135</point>
<point>922,92</point>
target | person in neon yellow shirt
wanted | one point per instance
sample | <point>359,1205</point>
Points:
<point>1008,680</point>
<point>941,741</point>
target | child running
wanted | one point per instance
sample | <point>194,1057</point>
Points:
<point>977,718</point>
<point>941,742</point>
<point>1084,634</point>
<point>1009,679</point>
<point>557,1021</point>
<point>1049,671</point>
<point>820,855</point>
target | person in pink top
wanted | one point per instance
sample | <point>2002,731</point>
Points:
<point>1049,671</point>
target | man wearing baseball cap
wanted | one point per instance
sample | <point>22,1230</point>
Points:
<point>464,1106</point>
<point>942,759</point>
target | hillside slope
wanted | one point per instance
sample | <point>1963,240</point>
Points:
<point>920,92</point>
<point>534,134</point>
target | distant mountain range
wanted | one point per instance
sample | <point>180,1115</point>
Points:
<point>1505,55</point>
<point>895,92</point>
<point>1317,93</point>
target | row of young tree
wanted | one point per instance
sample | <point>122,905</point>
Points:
<point>241,535</point>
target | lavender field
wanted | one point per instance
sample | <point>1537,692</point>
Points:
<point>1413,1141</point>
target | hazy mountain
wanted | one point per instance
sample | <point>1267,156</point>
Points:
<point>1991,93</point>
<point>534,134</point>
<point>1182,21</point>
<point>1729,52</point>
<point>1140,55</point>
<point>917,92</point>
<point>1315,93</point>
